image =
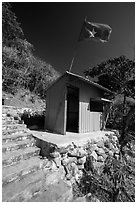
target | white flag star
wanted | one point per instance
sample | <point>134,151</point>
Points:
<point>92,33</point>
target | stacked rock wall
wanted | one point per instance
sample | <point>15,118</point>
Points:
<point>73,159</point>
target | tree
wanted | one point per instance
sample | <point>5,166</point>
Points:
<point>11,29</point>
<point>118,75</point>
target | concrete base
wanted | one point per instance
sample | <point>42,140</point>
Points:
<point>79,139</point>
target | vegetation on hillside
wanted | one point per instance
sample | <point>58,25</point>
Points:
<point>115,183</point>
<point>118,75</point>
<point>20,68</point>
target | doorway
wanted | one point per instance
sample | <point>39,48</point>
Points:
<point>72,109</point>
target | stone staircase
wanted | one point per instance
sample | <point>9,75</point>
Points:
<point>21,165</point>
<point>26,177</point>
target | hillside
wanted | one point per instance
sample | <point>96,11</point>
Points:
<point>23,99</point>
<point>21,69</point>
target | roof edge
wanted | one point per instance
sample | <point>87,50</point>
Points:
<point>89,82</point>
<point>81,78</point>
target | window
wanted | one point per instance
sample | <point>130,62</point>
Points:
<point>96,106</point>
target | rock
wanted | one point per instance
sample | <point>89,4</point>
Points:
<point>68,176</point>
<point>81,160</point>
<point>110,153</point>
<point>54,154</point>
<point>57,161</point>
<point>73,153</point>
<point>50,165</point>
<point>93,147</point>
<point>68,160</point>
<point>116,156</point>
<point>80,199</point>
<point>80,166</point>
<point>79,152</point>
<point>116,151</point>
<point>100,151</point>
<point>107,143</point>
<point>82,153</point>
<point>94,155</point>
<point>100,144</point>
<point>111,147</point>
<point>114,138</point>
<point>106,150</point>
<point>104,156</point>
<point>100,159</point>
<point>73,169</point>
<point>63,150</point>
<point>78,175</point>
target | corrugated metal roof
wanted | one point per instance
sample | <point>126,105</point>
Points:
<point>89,81</point>
<point>83,79</point>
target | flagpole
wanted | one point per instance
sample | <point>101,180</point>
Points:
<point>73,57</point>
<point>75,52</point>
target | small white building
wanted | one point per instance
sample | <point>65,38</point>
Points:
<point>75,104</point>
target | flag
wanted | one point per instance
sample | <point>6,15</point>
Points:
<point>96,31</point>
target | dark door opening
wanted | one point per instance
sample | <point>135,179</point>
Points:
<point>72,109</point>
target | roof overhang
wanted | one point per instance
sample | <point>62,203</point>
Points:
<point>101,100</point>
<point>87,81</point>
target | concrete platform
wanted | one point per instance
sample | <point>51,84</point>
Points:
<point>64,140</point>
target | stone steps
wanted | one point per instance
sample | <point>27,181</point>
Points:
<point>9,118</point>
<point>16,137</point>
<point>59,192</point>
<point>15,131</point>
<point>19,171</point>
<point>11,146</point>
<point>13,126</point>
<point>12,122</point>
<point>23,189</point>
<point>12,158</point>
<point>22,169</point>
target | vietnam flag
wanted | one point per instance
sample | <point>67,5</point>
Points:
<point>96,31</point>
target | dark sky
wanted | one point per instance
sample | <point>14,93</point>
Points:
<point>53,29</point>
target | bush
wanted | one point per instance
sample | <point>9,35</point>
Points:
<point>115,183</point>
<point>33,118</point>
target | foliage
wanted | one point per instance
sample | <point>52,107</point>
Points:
<point>20,68</point>
<point>115,183</point>
<point>118,75</point>
<point>34,117</point>
<point>10,27</point>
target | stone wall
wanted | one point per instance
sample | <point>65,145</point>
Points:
<point>68,162</point>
